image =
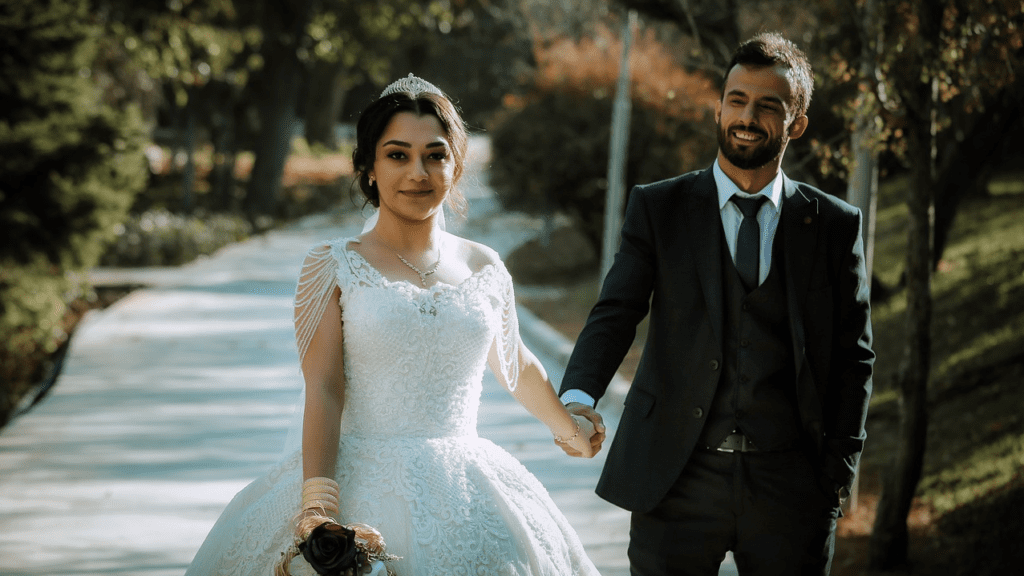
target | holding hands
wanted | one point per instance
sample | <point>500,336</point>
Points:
<point>589,434</point>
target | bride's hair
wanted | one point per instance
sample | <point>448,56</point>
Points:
<point>374,120</point>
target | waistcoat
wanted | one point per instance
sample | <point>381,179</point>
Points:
<point>756,392</point>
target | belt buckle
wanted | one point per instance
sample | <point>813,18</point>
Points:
<point>728,445</point>
<point>745,445</point>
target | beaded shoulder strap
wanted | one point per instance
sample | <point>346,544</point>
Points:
<point>313,291</point>
<point>508,336</point>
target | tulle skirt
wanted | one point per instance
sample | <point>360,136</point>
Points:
<point>446,506</point>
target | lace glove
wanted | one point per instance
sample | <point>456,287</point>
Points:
<point>319,503</point>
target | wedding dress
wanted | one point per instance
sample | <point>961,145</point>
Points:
<point>410,462</point>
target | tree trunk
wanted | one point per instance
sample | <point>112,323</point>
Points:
<point>618,151</point>
<point>188,143</point>
<point>889,537</point>
<point>280,81</point>
<point>862,190</point>
<point>329,83</point>
<point>222,177</point>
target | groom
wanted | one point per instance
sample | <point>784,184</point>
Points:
<point>744,424</point>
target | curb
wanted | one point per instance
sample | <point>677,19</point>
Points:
<point>561,347</point>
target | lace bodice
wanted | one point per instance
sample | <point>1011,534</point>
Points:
<point>414,357</point>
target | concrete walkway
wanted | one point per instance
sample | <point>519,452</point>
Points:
<point>180,394</point>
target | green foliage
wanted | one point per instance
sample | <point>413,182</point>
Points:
<point>552,155</point>
<point>187,45</point>
<point>977,320</point>
<point>975,458</point>
<point>33,297</point>
<point>987,469</point>
<point>70,167</point>
<point>963,53</point>
<point>159,238</point>
<point>31,326</point>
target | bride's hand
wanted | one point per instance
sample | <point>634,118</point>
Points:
<point>581,442</point>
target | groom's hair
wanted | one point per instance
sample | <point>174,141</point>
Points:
<point>773,49</point>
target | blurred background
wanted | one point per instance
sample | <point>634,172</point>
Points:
<point>140,133</point>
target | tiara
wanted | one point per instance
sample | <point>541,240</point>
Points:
<point>412,85</point>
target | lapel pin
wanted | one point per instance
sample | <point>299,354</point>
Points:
<point>808,220</point>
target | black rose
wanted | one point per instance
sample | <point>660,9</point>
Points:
<point>331,549</point>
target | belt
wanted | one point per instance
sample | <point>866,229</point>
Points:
<point>736,442</point>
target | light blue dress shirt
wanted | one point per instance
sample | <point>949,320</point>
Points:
<point>767,219</point>
<point>767,216</point>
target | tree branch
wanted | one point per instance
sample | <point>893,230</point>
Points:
<point>684,5</point>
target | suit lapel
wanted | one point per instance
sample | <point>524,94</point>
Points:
<point>800,226</point>
<point>704,231</point>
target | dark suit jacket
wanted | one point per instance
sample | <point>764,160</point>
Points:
<point>669,262</point>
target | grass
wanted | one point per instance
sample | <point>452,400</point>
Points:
<point>967,516</point>
<point>976,435</point>
<point>566,310</point>
<point>987,469</point>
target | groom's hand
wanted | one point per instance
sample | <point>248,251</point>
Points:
<point>597,439</point>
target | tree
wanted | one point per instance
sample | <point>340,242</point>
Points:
<point>713,25</point>
<point>862,190</point>
<point>70,167</point>
<point>470,47</point>
<point>283,23</point>
<point>551,155</point>
<point>961,55</point>
<point>200,55</point>
<point>342,41</point>
<point>353,42</point>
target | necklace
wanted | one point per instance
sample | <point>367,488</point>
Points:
<point>423,275</point>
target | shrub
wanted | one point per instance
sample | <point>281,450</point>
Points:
<point>551,149</point>
<point>160,238</point>
<point>70,167</point>
<point>552,155</point>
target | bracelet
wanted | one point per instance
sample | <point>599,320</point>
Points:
<point>311,494</point>
<point>316,505</point>
<point>319,498</point>
<point>320,486</point>
<point>561,440</point>
<point>320,493</point>
<point>320,490</point>
<point>320,481</point>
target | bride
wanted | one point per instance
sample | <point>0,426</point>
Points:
<point>394,328</point>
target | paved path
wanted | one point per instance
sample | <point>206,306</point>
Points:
<point>177,396</point>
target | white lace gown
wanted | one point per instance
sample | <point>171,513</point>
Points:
<point>410,461</point>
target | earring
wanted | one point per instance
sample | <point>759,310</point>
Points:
<point>371,181</point>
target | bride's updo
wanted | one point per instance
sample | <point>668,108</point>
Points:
<point>375,118</point>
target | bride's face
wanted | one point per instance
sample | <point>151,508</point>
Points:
<point>413,166</point>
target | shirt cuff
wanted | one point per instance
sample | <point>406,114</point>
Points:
<point>578,396</point>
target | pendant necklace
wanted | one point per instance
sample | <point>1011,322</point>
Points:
<point>423,275</point>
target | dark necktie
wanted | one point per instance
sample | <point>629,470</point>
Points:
<point>748,242</point>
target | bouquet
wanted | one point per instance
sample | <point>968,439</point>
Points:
<point>329,548</point>
<point>333,549</point>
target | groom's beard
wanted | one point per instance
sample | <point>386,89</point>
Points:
<point>750,157</point>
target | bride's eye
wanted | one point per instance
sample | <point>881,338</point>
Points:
<point>396,155</point>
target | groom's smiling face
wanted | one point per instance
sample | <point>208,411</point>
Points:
<point>756,116</point>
